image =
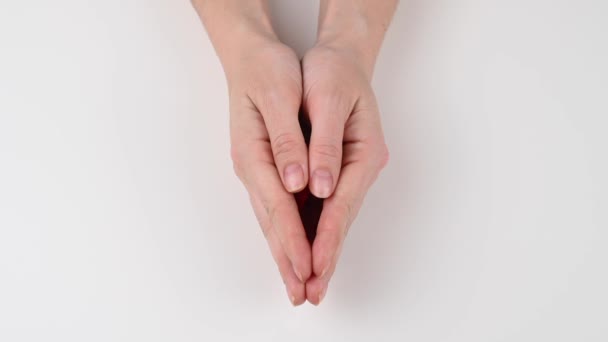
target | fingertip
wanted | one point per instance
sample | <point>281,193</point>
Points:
<point>299,275</point>
<point>301,258</point>
<point>316,289</point>
<point>296,293</point>
<point>321,264</point>
<point>303,271</point>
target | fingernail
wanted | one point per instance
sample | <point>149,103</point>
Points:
<point>293,300</point>
<point>292,297</point>
<point>324,272</point>
<point>294,177</point>
<point>322,183</point>
<point>299,275</point>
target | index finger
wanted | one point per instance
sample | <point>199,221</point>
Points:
<point>363,161</point>
<point>261,178</point>
<point>283,214</point>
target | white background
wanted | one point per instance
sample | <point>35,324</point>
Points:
<point>121,219</point>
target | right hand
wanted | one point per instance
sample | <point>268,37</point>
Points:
<point>269,152</point>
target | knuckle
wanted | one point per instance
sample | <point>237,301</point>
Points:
<point>283,145</point>
<point>331,102</point>
<point>377,155</point>
<point>383,156</point>
<point>263,223</point>
<point>273,210</point>
<point>346,209</point>
<point>327,150</point>
<point>275,102</point>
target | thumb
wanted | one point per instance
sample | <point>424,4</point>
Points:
<point>325,150</point>
<point>287,143</point>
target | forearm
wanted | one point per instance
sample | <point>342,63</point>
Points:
<point>234,26</point>
<point>356,25</point>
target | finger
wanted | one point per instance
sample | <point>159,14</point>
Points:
<point>261,179</point>
<point>286,139</point>
<point>296,290</point>
<point>316,288</point>
<point>337,215</point>
<point>327,116</point>
<point>331,231</point>
<point>362,163</point>
<point>254,164</point>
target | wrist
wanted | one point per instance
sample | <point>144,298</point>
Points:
<point>234,50</point>
<point>358,55</point>
<point>236,27</point>
<point>356,28</point>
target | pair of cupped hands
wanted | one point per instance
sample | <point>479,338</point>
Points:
<point>268,88</point>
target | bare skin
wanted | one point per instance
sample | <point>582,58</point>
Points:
<point>267,86</point>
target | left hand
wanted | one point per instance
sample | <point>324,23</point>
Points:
<point>346,153</point>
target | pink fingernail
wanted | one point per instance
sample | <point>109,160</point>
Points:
<point>322,182</point>
<point>299,275</point>
<point>324,272</point>
<point>293,300</point>
<point>294,177</point>
<point>292,297</point>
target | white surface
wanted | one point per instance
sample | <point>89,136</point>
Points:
<point>121,220</point>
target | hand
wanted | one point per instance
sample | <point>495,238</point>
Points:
<point>269,152</point>
<point>268,149</point>
<point>346,152</point>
